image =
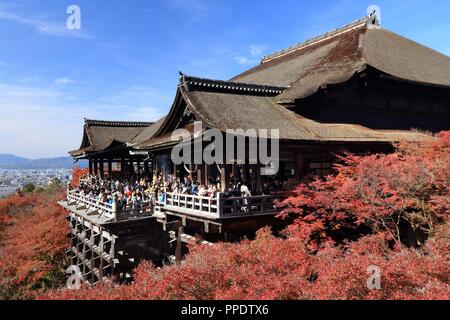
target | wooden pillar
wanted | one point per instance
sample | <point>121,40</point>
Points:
<point>300,166</point>
<point>246,175</point>
<point>258,178</point>
<point>155,168</point>
<point>175,173</point>
<point>138,167</point>
<point>123,168</point>
<point>102,169</point>
<point>95,167</point>
<point>90,166</point>
<point>201,174</point>
<point>179,248</point>
<point>207,174</point>
<point>223,177</point>
<point>110,168</point>
<point>131,167</point>
<point>146,171</point>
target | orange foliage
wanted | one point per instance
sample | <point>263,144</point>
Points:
<point>345,220</point>
<point>402,196</point>
<point>33,242</point>
<point>273,269</point>
<point>77,174</point>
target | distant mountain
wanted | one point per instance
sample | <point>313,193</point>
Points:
<point>9,161</point>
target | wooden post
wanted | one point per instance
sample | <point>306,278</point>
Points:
<point>223,177</point>
<point>146,171</point>
<point>220,203</point>
<point>112,254</point>
<point>101,248</point>
<point>131,167</point>
<point>138,167</point>
<point>110,168</point>
<point>300,166</point>
<point>92,260</point>
<point>102,169</point>
<point>95,167</point>
<point>201,174</point>
<point>179,248</point>
<point>114,207</point>
<point>90,166</point>
<point>123,168</point>
<point>258,178</point>
<point>207,174</point>
<point>175,172</point>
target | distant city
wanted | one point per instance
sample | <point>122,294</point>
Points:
<point>12,179</point>
<point>16,172</point>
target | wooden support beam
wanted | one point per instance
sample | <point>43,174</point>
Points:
<point>109,168</point>
<point>102,169</point>
<point>223,177</point>
<point>179,248</point>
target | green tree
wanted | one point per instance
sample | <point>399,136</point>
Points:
<point>28,188</point>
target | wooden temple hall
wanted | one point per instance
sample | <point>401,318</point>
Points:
<point>359,88</point>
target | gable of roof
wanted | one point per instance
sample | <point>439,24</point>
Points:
<point>337,55</point>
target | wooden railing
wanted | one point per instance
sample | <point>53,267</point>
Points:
<point>245,206</point>
<point>192,204</point>
<point>111,210</point>
<point>220,206</point>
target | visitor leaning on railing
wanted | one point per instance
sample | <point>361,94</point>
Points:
<point>113,196</point>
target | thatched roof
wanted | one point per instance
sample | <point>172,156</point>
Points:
<point>148,132</point>
<point>100,135</point>
<point>246,110</point>
<point>336,56</point>
<point>231,106</point>
<point>253,99</point>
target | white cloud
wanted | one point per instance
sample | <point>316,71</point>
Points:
<point>255,53</point>
<point>64,81</point>
<point>196,9</point>
<point>257,50</point>
<point>41,121</point>
<point>57,29</point>
<point>242,60</point>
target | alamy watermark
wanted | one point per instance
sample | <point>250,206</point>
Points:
<point>228,148</point>
<point>73,22</point>
<point>74,279</point>
<point>374,280</point>
<point>375,10</point>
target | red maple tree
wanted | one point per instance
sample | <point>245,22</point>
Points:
<point>403,196</point>
<point>390,212</point>
<point>32,243</point>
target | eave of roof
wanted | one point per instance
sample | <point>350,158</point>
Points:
<point>103,123</point>
<point>100,135</point>
<point>190,82</point>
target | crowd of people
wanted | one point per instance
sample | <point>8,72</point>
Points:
<point>137,191</point>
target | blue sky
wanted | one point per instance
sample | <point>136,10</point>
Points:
<point>123,63</point>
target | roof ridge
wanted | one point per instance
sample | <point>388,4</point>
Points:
<point>188,81</point>
<point>91,122</point>
<point>365,21</point>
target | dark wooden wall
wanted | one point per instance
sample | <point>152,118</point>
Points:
<point>380,102</point>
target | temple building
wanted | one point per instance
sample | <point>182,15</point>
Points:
<point>104,145</point>
<point>359,89</point>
